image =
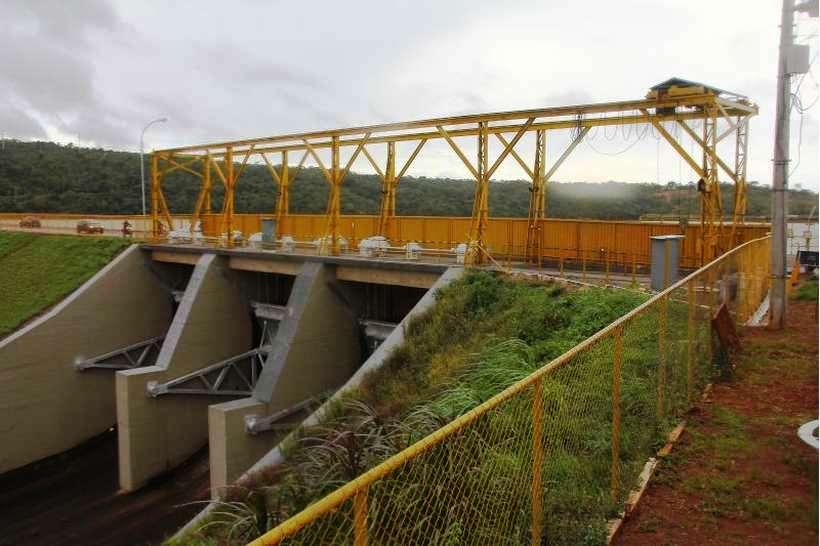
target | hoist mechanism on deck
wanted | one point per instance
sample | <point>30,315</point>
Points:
<point>673,103</point>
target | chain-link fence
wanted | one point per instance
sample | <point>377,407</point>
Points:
<point>550,459</point>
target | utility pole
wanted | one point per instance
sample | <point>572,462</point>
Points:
<point>787,65</point>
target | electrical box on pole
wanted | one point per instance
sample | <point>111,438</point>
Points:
<point>797,59</point>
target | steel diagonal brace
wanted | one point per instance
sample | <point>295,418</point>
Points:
<point>156,389</point>
<point>708,151</point>
<point>675,144</point>
<point>403,169</point>
<point>321,165</point>
<point>219,173</point>
<point>572,145</point>
<point>515,155</point>
<point>244,162</point>
<point>354,156</point>
<point>181,166</point>
<point>271,169</point>
<point>273,172</point>
<point>410,159</point>
<point>508,148</point>
<point>458,151</point>
<point>373,163</point>
<point>104,361</point>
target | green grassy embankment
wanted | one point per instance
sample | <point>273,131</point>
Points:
<point>484,333</point>
<point>37,271</point>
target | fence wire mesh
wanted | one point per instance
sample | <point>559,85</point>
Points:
<point>550,459</point>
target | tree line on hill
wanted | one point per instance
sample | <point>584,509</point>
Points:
<point>49,177</point>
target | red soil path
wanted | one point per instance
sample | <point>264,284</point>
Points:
<point>739,474</point>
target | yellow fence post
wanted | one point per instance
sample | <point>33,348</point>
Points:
<point>690,361</point>
<point>662,357</point>
<point>360,518</point>
<point>537,462</point>
<point>616,415</point>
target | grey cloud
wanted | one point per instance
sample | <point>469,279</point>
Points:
<point>247,68</point>
<point>46,64</point>
<point>570,96</point>
<point>14,122</point>
<point>49,79</point>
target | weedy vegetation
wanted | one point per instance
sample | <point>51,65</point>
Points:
<point>485,333</point>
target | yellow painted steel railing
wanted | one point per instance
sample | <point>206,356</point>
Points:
<point>512,470</point>
<point>617,246</point>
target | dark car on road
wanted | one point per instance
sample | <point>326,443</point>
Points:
<point>89,226</point>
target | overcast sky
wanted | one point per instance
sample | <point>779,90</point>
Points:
<point>97,71</point>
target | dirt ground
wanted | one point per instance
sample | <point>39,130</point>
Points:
<point>740,475</point>
<point>72,498</point>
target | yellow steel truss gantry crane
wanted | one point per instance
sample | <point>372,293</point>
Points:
<point>673,101</point>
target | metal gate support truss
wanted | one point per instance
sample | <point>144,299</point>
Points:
<point>234,376</point>
<point>673,101</point>
<point>143,353</point>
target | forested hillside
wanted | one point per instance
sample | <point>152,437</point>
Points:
<point>48,177</point>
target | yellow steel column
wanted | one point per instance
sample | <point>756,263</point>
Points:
<point>537,197</point>
<point>388,204</point>
<point>615,481</point>
<point>229,195</point>
<point>154,195</point>
<point>741,151</point>
<point>334,199</point>
<point>475,250</point>
<point>690,335</point>
<point>206,204</point>
<point>537,462</point>
<point>204,193</point>
<point>711,208</point>
<point>283,203</point>
<point>661,402</point>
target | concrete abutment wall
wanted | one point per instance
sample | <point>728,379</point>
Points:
<point>46,405</point>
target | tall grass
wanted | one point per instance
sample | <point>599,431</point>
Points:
<point>484,333</point>
<point>36,271</point>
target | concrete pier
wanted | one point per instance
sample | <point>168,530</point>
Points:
<point>316,349</point>
<point>213,322</point>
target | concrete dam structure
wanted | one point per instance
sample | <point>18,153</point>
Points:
<point>182,347</point>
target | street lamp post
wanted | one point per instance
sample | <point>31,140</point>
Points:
<point>142,153</point>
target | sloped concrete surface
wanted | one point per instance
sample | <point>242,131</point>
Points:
<point>46,406</point>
